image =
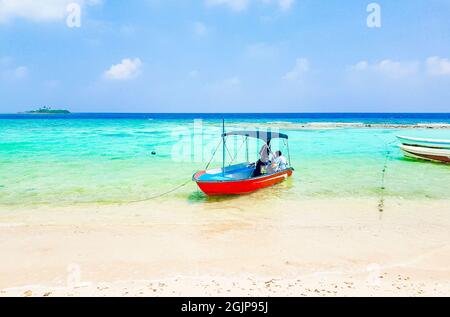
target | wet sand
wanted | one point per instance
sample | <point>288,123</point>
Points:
<point>339,247</point>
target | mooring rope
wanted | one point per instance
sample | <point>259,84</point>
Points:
<point>212,157</point>
<point>177,187</point>
<point>383,177</point>
<point>160,194</point>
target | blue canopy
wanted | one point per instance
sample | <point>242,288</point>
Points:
<point>266,136</point>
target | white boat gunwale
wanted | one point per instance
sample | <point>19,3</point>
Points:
<point>241,180</point>
<point>424,139</point>
<point>424,142</point>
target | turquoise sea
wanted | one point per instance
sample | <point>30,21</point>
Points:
<point>107,158</point>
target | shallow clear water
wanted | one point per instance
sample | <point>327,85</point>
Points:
<point>69,160</point>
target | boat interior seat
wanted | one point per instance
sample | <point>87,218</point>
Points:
<point>236,172</point>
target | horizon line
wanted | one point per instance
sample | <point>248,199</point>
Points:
<point>226,113</point>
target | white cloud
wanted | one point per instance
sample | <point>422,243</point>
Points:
<point>388,68</point>
<point>232,81</point>
<point>301,67</point>
<point>361,66</point>
<point>10,70</point>
<point>38,10</point>
<point>241,5</point>
<point>20,72</point>
<point>51,83</point>
<point>397,69</point>
<point>5,61</point>
<point>236,5</point>
<point>260,51</point>
<point>224,89</point>
<point>200,28</point>
<point>285,4</point>
<point>127,69</point>
<point>437,66</point>
<point>194,73</point>
<point>226,85</point>
<point>127,30</point>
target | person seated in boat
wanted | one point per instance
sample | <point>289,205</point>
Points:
<point>279,162</point>
<point>263,161</point>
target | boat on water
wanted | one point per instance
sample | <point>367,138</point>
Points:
<point>240,178</point>
<point>429,143</point>
<point>426,153</point>
<point>426,149</point>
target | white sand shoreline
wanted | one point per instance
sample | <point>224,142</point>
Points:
<point>338,247</point>
<point>316,285</point>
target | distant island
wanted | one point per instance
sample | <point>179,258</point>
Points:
<point>47,110</point>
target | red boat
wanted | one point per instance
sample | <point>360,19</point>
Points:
<point>240,179</point>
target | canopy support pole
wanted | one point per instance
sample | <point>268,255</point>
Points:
<point>223,146</point>
<point>289,154</point>
<point>246,149</point>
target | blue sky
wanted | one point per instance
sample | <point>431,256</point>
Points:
<point>225,56</point>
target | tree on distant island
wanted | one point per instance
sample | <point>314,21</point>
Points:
<point>47,110</point>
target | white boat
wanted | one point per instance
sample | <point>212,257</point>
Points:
<point>429,143</point>
<point>426,153</point>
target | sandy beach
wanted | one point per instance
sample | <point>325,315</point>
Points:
<point>126,126</point>
<point>230,247</point>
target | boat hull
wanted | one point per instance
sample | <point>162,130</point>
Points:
<point>240,187</point>
<point>429,143</point>
<point>429,154</point>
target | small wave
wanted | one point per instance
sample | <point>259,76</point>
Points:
<point>148,132</point>
<point>334,124</point>
<point>435,125</point>
<point>327,125</point>
<point>282,122</point>
<point>284,125</point>
<point>118,135</point>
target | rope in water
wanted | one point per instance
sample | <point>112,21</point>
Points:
<point>175,188</point>
<point>161,194</point>
<point>383,177</point>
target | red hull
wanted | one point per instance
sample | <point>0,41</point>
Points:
<point>242,186</point>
